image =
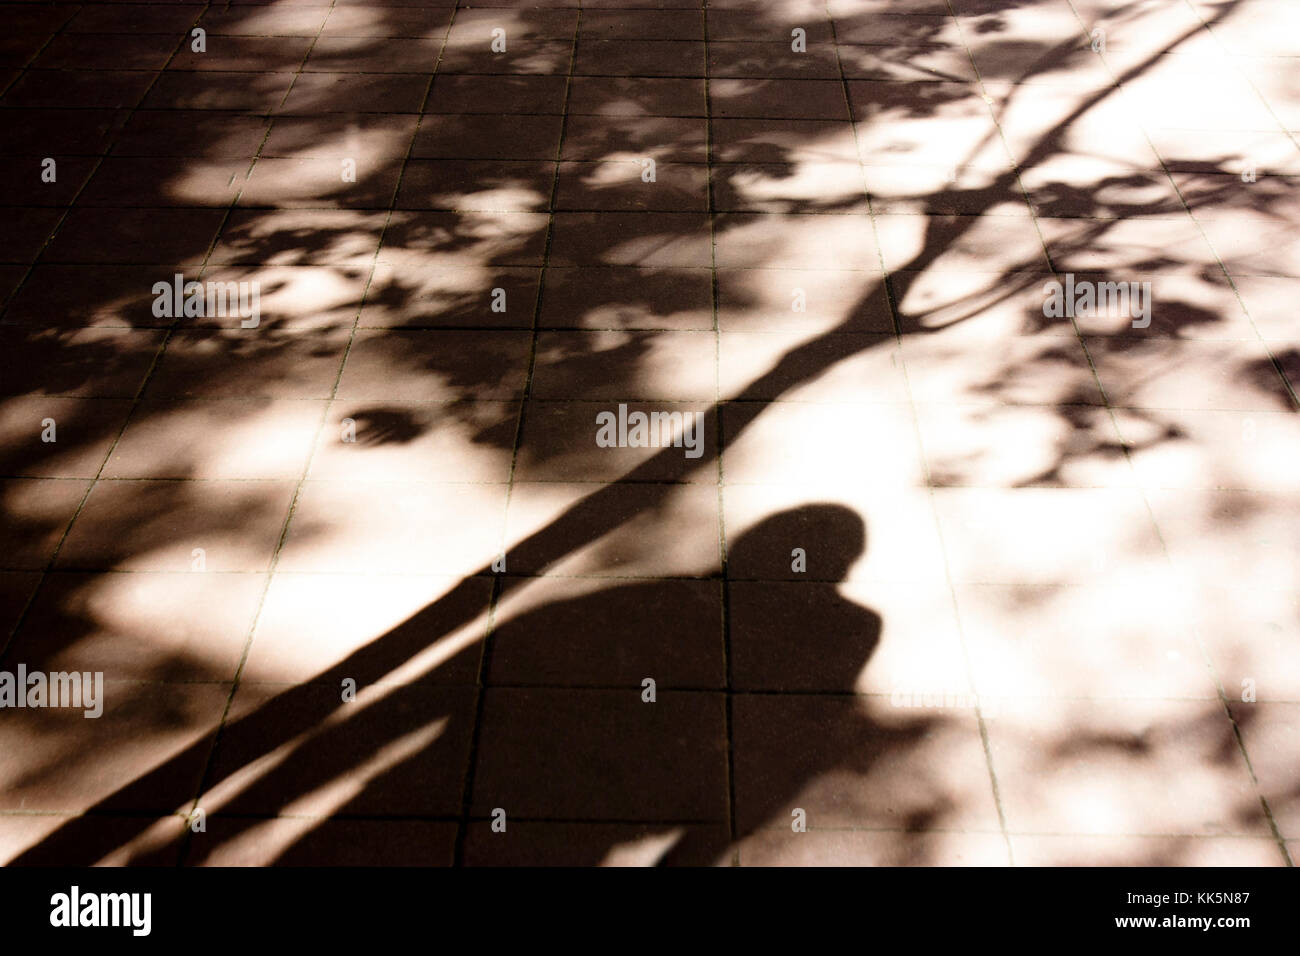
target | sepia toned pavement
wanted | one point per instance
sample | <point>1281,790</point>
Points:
<point>949,576</point>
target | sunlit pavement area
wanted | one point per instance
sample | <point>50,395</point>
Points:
<point>946,574</point>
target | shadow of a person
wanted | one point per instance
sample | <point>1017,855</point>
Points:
<point>571,747</point>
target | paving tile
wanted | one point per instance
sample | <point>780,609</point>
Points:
<point>1268,732</point>
<point>162,525</point>
<point>769,60</point>
<point>476,185</point>
<point>189,133</point>
<point>778,99</point>
<point>289,297</point>
<point>289,20</point>
<point>534,843</point>
<point>11,276</point>
<point>807,301</point>
<point>798,636</point>
<point>393,527</point>
<point>38,511</point>
<point>926,121</point>
<point>353,21</point>
<point>834,186</point>
<point>568,633</point>
<point>795,241</point>
<point>661,138</point>
<point>247,438</point>
<point>46,437</point>
<point>1265,299</point>
<point>464,441</point>
<point>299,237</point>
<point>846,765</point>
<point>1217,151</point>
<point>495,95</point>
<point>16,590</point>
<point>634,184</point>
<point>1213,536</point>
<point>952,302</point>
<point>101,89</point>
<point>370,138</point>
<point>473,28</point>
<point>1111,639</point>
<point>245,53</point>
<point>143,181</point>
<point>417,242</point>
<point>295,842</point>
<point>103,363</point>
<point>397,751</point>
<point>122,236</point>
<point>661,761</point>
<point>143,727</point>
<point>795,442</point>
<point>626,297</point>
<point>800,367</point>
<point>316,93</point>
<point>25,183</point>
<point>318,182</point>
<point>783,141</point>
<point>435,365</point>
<point>873,848</point>
<point>670,24</point>
<point>1037,535</point>
<point>145,626</point>
<point>1200,449</point>
<point>676,58</point>
<point>943,190</point>
<point>545,57</point>
<point>374,629</point>
<point>154,18</point>
<point>208,90</point>
<point>560,440</point>
<point>1111,768</point>
<point>1028,369</point>
<point>338,54</point>
<point>27,233</point>
<point>101,839</point>
<point>465,297</point>
<point>1209,375</point>
<point>978,243</point>
<point>68,131</point>
<point>1246,630</point>
<point>646,239</point>
<point>1088,850</point>
<point>659,529</point>
<point>1251,245</point>
<point>636,96</point>
<point>478,136</point>
<point>846,528</point>
<point>733,24</point>
<point>614,366</point>
<point>247,363</point>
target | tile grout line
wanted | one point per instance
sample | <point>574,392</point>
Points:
<point>724,583</point>
<point>498,585</point>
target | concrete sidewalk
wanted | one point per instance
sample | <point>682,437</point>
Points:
<point>896,547</point>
